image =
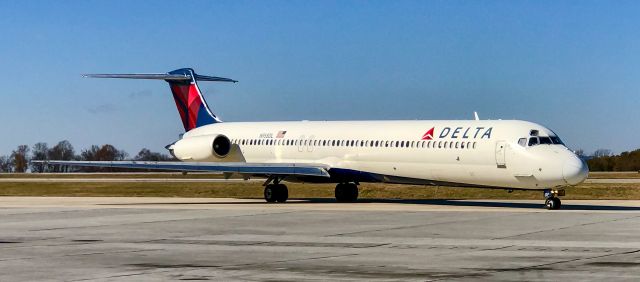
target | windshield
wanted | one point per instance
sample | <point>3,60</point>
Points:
<point>544,140</point>
<point>556,140</point>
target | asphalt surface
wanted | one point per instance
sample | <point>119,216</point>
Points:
<point>151,239</point>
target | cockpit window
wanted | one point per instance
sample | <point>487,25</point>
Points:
<point>556,140</point>
<point>545,140</point>
<point>522,142</point>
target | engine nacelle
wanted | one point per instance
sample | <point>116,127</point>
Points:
<point>206,148</point>
<point>221,146</point>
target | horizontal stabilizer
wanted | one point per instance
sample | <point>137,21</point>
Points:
<point>160,76</point>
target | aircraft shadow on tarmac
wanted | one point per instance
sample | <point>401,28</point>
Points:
<point>434,202</point>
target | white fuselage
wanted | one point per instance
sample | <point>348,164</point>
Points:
<point>471,153</point>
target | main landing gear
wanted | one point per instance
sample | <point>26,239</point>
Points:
<point>346,192</point>
<point>275,192</point>
<point>552,202</point>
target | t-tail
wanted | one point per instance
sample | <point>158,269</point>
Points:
<point>194,110</point>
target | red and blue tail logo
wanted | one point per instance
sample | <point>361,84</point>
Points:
<point>191,105</point>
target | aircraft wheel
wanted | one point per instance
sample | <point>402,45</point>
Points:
<point>346,193</point>
<point>553,203</point>
<point>353,192</point>
<point>340,193</point>
<point>270,193</point>
<point>282,193</point>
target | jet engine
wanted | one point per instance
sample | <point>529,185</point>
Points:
<point>221,146</point>
<point>206,148</point>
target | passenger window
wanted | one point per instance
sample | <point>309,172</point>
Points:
<point>474,145</point>
<point>533,141</point>
<point>451,145</point>
<point>522,142</point>
<point>439,144</point>
<point>456,144</point>
<point>461,145</point>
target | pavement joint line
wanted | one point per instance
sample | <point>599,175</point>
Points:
<point>157,221</point>
<point>533,267</point>
<point>83,254</point>
<point>124,275</point>
<point>288,260</point>
<point>418,225</point>
<point>566,227</point>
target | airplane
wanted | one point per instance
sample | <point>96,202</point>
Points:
<point>492,154</point>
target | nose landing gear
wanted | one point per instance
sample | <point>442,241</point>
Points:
<point>552,202</point>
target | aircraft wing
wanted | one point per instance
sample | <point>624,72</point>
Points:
<point>231,167</point>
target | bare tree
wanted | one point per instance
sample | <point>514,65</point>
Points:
<point>147,155</point>
<point>20,158</point>
<point>40,151</point>
<point>63,151</point>
<point>602,153</point>
<point>105,153</point>
<point>6,164</point>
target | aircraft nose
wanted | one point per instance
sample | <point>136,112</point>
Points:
<point>575,170</point>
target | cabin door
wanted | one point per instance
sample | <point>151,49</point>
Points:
<point>501,149</point>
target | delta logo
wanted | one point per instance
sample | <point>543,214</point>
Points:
<point>428,135</point>
<point>460,132</point>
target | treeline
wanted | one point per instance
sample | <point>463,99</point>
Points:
<point>603,160</point>
<point>19,159</point>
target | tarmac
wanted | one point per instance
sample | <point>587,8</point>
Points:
<point>189,239</point>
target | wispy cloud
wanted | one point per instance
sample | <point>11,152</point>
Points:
<point>102,109</point>
<point>140,94</point>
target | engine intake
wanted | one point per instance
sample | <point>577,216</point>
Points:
<point>221,146</point>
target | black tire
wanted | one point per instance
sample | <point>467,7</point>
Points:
<point>346,193</point>
<point>548,203</point>
<point>352,193</point>
<point>553,203</point>
<point>270,193</point>
<point>340,193</point>
<point>282,194</point>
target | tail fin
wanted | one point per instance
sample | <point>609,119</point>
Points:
<point>191,105</point>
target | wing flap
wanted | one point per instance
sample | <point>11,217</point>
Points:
<point>242,168</point>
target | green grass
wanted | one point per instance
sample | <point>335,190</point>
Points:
<point>172,175</point>
<point>296,190</point>
<point>614,174</point>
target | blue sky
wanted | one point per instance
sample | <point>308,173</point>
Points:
<point>573,66</point>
